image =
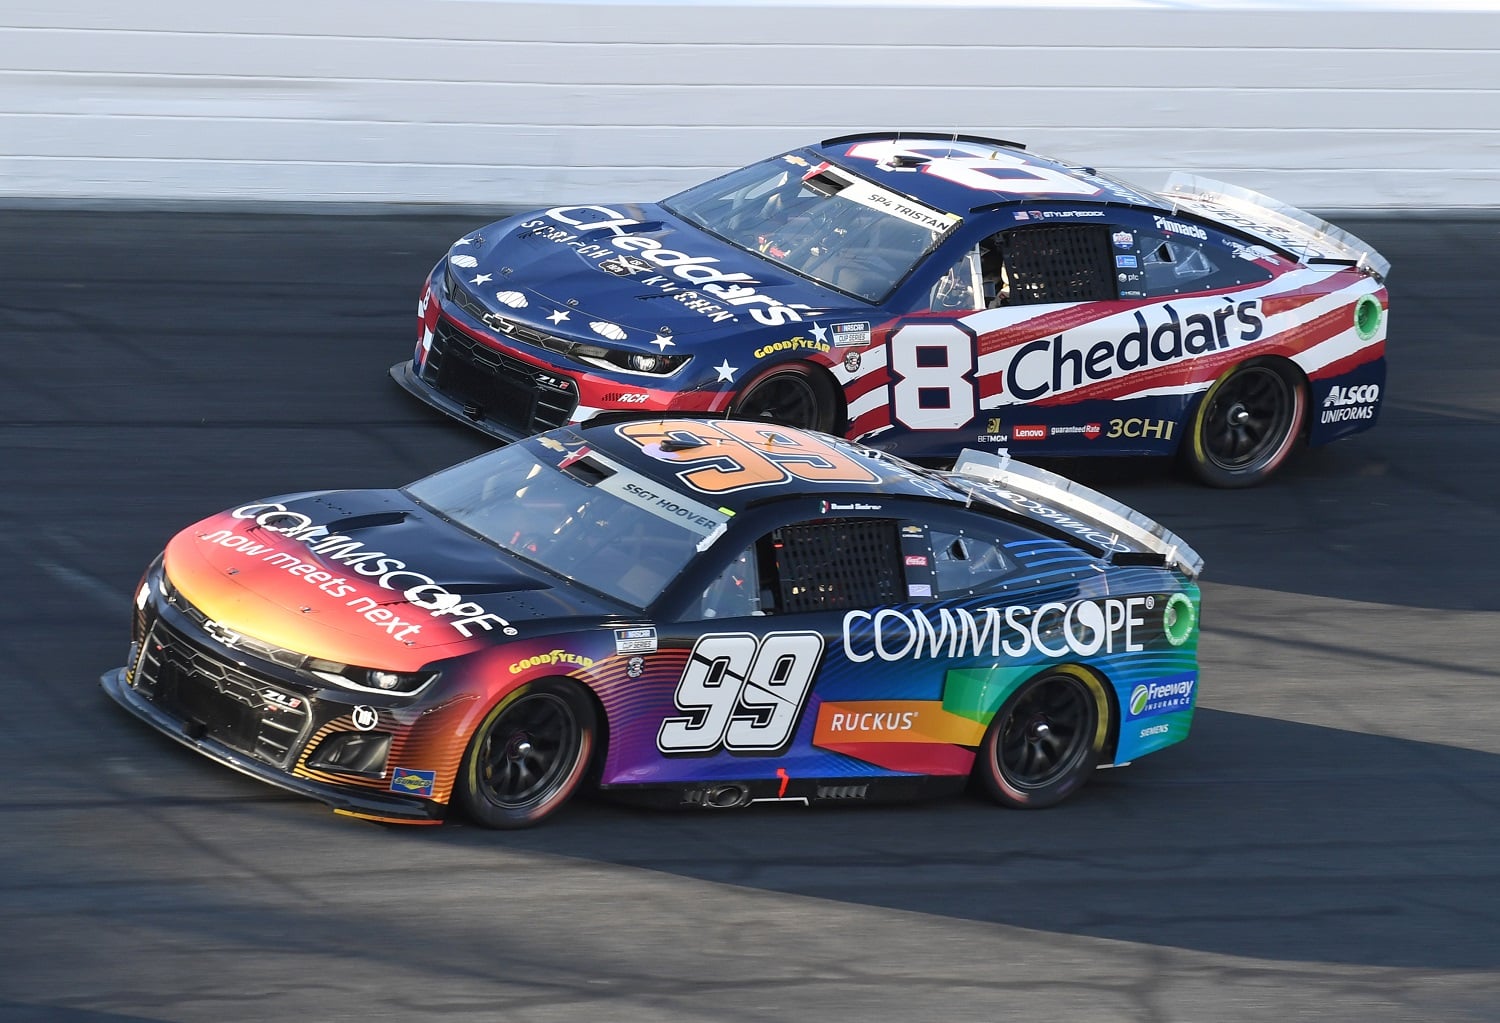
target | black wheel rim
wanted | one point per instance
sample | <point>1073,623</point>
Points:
<point>528,752</point>
<point>786,399</point>
<point>1049,731</point>
<point>1248,419</point>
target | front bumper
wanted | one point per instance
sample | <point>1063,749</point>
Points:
<point>416,386</point>
<point>488,384</point>
<point>367,804</point>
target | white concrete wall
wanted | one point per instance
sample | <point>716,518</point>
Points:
<point>1337,106</point>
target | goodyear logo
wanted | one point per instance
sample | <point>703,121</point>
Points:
<point>792,344</point>
<point>551,657</point>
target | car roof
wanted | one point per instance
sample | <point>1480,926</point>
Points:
<point>963,173</point>
<point>695,456</point>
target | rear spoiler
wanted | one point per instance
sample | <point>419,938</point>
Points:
<point>1099,521</point>
<point>1309,238</point>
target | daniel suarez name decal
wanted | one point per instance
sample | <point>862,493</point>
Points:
<point>418,589</point>
<point>1082,628</point>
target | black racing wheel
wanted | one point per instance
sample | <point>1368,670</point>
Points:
<point>796,394</point>
<point>1246,425</point>
<point>1046,740</point>
<point>529,755</point>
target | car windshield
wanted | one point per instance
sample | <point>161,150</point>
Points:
<point>577,514</point>
<point>822,221</point>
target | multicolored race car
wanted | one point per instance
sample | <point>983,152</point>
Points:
<point>923,294</point>
<point>690,612</point>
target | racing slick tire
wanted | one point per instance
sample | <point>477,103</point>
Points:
<point>1046,740</point>
<point>796,394</point>
<point>1247,424</point>
<point>529,756</point>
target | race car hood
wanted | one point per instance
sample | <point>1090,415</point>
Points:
<point>367,578</point>
<point>625,276</point>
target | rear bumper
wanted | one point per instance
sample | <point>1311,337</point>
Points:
<point>394,808</point>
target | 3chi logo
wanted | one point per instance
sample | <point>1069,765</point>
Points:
<point>635,667</point>
<point>365,718</point>
<point>742,693</point>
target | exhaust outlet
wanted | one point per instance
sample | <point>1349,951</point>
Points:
<point>725,797</point>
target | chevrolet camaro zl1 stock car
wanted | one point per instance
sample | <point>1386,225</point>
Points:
<point>685,612</point>
<point>923,295</point>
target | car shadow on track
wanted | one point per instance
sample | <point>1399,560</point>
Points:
<point>1399,518</point>
<point>1260,838</point>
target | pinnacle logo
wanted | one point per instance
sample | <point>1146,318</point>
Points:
<point>1177,227</point>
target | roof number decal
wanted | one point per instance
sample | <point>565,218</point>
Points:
<point>739,454</point>
<point>975,166</point>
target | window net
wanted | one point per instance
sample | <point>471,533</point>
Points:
<point>839,564</point>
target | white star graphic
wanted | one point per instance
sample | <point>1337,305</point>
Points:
<point>663,342</point>
<point>820,334</point>
<point>464,241</point>
<point>726,372</point>
<point>482,279</point>
<point>557,316</point>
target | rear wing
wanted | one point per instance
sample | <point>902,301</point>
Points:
<point>1099,521</point>
<point>1310,239</point>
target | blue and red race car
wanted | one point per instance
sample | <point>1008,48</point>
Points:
<point>699,613</point>
<point>922,293</point>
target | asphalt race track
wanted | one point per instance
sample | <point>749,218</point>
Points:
<point>1324,846</point>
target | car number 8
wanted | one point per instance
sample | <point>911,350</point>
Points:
<point>933,364</point>
<point>742,693</point>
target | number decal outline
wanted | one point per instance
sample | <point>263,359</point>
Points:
<point>742,694</point>
<point>736,454</point>
<point>981,168</point>
<point>956,377</point>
